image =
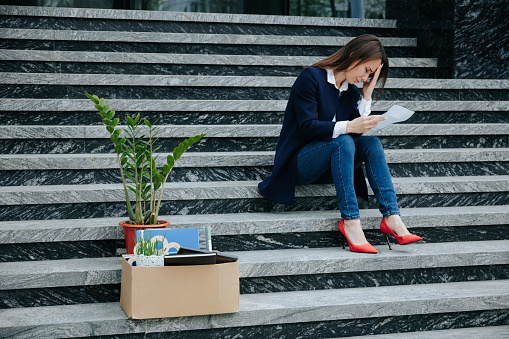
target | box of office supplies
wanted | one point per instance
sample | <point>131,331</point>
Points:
<point>176,291</point>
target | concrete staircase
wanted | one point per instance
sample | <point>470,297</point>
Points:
<point>229,76</point>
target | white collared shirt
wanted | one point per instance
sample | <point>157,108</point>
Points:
<point>364,106</point>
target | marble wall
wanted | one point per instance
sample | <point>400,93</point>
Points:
<point>481,42</point>
<point>469,37</point>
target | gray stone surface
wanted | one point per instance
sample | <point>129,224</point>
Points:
<point>226,81</point>
<point>194,17</point>
<point>104,161</point>
<point>31,231</point>
<point>227,159</point>
<point>441,129</point>
<point>335,260</point>
<point>187,59</point>
<point>66,105</point>
<point>146,80</point>
<point>239,131</point>
<point>264,309</point>
<point>446,83</point>
<point>65,194</point>
<point>267,263</point>
<point>191,38</point>
<point>492,332</point>
<point>56,273</point>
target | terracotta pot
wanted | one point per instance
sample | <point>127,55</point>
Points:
<point>130,232</point>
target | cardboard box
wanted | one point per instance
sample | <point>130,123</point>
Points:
<point>176,291</point>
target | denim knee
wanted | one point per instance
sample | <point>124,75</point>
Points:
<point>371,144</point>
<point>344,141</point>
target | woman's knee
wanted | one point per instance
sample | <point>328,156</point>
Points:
<point>370,143</point>
<point>345,142</point>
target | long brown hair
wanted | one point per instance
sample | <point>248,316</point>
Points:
<point>363,48</point>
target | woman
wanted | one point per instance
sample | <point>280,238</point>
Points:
<point>321,140</point>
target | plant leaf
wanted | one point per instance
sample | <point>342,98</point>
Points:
<point>94,98</point>
<point>170,160</point>
<point>137,119</point>
<point>156,186</point>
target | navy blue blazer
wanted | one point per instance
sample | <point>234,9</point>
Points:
<point>308,117</point>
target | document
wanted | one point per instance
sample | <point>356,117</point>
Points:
<point>394,114</point>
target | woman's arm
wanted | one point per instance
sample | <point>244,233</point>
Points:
<point>303,99</point>
<point>366,122</point>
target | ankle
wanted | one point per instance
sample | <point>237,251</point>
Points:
<point>354,232</point>
<point>395,223</point>
<point>352,223</point>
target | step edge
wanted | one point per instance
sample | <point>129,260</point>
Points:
<point>266,309</point>
<point>250,223</point>
<point>253,264</point>
<point>116,14</point>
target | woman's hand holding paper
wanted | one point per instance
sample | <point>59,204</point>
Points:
<point>363,124</point>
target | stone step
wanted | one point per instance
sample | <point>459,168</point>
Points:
<point>42,132</point>
<point>144,67</point>
<point>192,49</point>
<point>141,105</point>
<point>186,17</point>
<point>93,280</point>
<point>189,38</point>
<point>224,190</point>
<point>248,117</point>
<point>235,173</point>
<point>498,332</point>
<point>428,301</point>
<point>142,93</point>
<point>187,59</point>
<point>143,87</point>
<point>251,232</point>
<point>268,263</point>
<point>73,169</point>
<point>107,200</point>
<point>17,162</point>
<point>230,81</point>
<point>235,224</point>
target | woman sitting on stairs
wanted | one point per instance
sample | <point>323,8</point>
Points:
<point>321,141</point>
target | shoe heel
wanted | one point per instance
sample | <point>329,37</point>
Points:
<point>388,242</point>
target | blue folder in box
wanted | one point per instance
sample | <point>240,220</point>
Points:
<point>199,238</point>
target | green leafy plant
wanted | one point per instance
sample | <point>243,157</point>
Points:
<point>135,147</point>
<point>147,247</point>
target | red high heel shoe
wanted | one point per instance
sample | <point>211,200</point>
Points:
<point>364,248</point>
<point>402,240</point>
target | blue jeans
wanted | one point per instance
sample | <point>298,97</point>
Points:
<point>342,155</point>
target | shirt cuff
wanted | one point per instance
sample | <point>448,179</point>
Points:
<point>339,128</point>
<point>364,107</point>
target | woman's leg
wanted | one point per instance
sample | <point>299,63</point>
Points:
<point>337,155</point>
<point>370,151</point>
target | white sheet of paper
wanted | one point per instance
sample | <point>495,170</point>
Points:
<point>394,114</point>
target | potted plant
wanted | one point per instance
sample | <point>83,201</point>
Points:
<point>148,253</point>
<point>136,155</point>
